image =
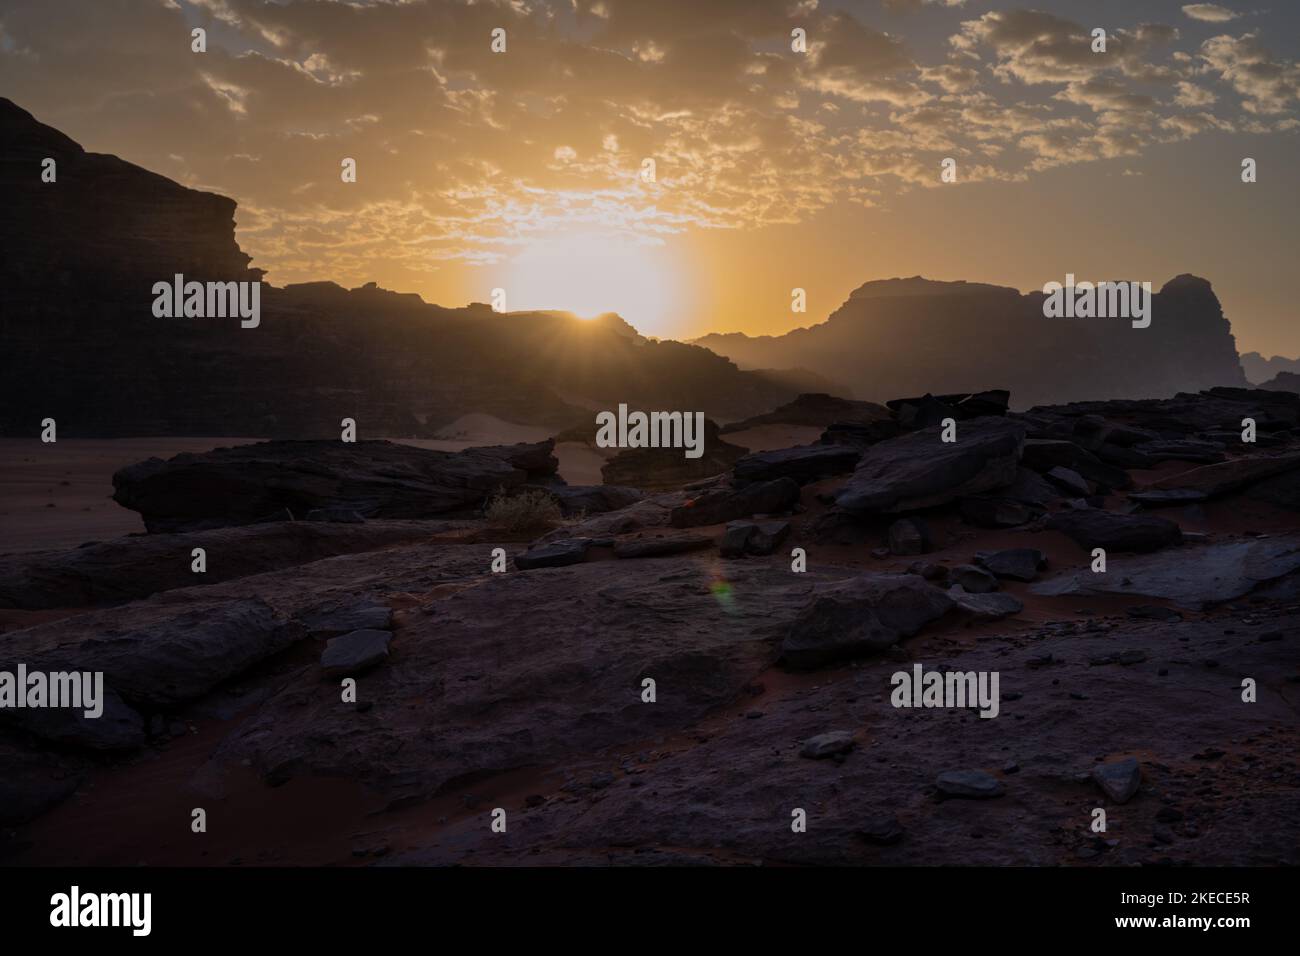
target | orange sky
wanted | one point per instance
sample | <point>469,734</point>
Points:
<point>774,168</point>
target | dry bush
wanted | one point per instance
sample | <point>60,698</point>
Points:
<point>532,510</point>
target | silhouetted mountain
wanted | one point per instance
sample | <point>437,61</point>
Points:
<point>910,336</point>
<point>1259,369</point>
<point>79,257</point>
<point>1283,382</point>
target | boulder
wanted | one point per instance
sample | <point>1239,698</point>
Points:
<point>909,536</point>
<point>973,580</point>
<point>974,784</point>
<point>721,505</point>
<point>1191,577</point>
<point>804,464</point>
<point>867,613</point>
<point>355,652</point>
<point>554,554</point>
<point>1093,528</point>
<point>985,607</point>
<point>1118,779</point>
<point>1042,455</point>
<point>577,500</point>
<point>827,745</point>
<point>920,470</point>
<point>1227,476</point>
<point>659,547</point>
<point>282,480</point>
<point>1018,564</point>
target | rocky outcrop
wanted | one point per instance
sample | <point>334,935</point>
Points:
<point>910,336</point>
<point>921,470</point>
<point>287,480</point>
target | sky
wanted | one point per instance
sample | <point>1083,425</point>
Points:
<point>774,168</point>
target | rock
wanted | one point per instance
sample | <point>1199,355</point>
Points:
<point>1042,455</point>
<point>119,727</point>
<point>973,580</point>
<point>867,613</point>
<point>535,459</point>
<point>661,546</point>
<point>131,567</point>
<point>1153,612</point>
<point>919,470</point>
<point>1227,476</point>
<point>158,653</point>
<point>736,537</point>
<point>355,652</point>
<point>252,483</point>
<point>767,537</point>
<point>909,536</point>
<point>1165,499</point>
<point>336,619</point>
<point>554,554</point>
<point>1018,564</point>
<point>34,780</point>
<point>996,512</point>
<point>859,435</point>
<point>1118,779</point>
<point>660,469</point>
<point>1181,450</point>
<point>827,745</point>
<point>882,831</point>
<point>1191,578</point>
<point>985,607</point>
<point>1093,528</point>
<point>578,500</point>
<point>722,505</point>
<point>816,409</point>
<point>1069,480</point>
<point>804,464</point>
<point>975,784</point>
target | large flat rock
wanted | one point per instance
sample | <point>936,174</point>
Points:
<point>1191,577</point>
<point>920,470</point>
<point>278,480</point>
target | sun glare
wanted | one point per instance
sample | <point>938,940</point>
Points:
<point>590,275</point>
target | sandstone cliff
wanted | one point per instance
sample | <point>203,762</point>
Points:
<point>910,336</point>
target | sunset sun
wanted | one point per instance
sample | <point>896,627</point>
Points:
<point>589,275</point>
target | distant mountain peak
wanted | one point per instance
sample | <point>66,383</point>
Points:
<point>919,285</point>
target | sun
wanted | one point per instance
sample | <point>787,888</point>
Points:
<point>589,275</point>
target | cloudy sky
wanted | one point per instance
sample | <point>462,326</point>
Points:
<point>774,168</point>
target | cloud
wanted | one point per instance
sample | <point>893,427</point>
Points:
<point>1209,12</point>
<point>1267,84</point>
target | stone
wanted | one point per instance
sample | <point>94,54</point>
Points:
<point>355,653</point>
<point>1093,528</point>
<point>1069,481</point>
<point>271,480</point>
<point>974,784</point>
<point>1118,779</point>
<point>735,538</point>
<point>919,470</point>
<point>985,607</point>
<point>1228,476</point>
<point>336,619</point>
<point>909,536</point>
<point>973,580</point>
<point>554,554</point>
<point>722,505</point>
<point>767,537</point>
<point>659,547</point>
<point>576,500</point>
<point>804,463</point>
<point>827,745</point>
<point>1170,498</point>
<point>1190,578</point>
<point>866,613</point>
<point>1017,564</point>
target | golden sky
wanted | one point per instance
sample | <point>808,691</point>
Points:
<point>775,168</point>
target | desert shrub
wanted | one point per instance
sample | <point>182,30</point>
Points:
<point>529,511</point>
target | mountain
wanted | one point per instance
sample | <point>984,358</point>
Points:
<point>1259,369</point>
<point>79,258</point>
<point>910,336</point>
